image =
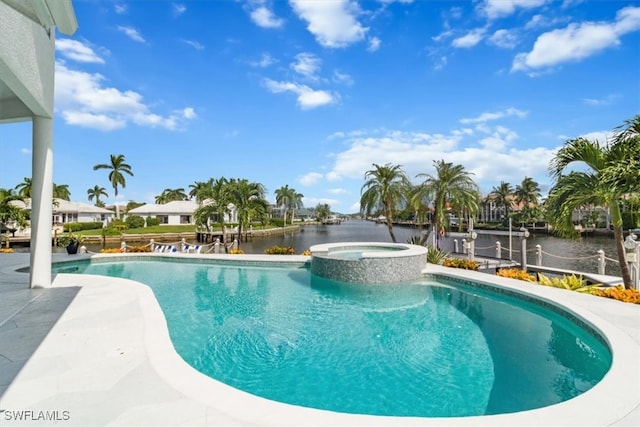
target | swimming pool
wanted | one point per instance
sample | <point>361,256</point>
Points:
<point>429,348</point>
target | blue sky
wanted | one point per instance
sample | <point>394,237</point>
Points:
<point>311,93</point>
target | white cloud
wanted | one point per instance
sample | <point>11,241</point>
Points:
<point>504,38</point>
<point>178,8</point>
<point>94,121</point>
<point>470,39</point>
<point>600,136</point>
<point>132,33</point>
<point>490,116</point>
<point>601,102</point>
<point>374,44</point>
<point>83,99</point>
<point>501,8</point>
<point>308,98</point>
<point>307,65</point>
<point>189,113</point>
<point>491,159</point>
<point>338,191</point>
<point>120,8</point>
<point>311,178</point>
<point>343,78</point>
<point>577,41</point>
<point>25,150</point>
<point>194,44</point>
<point>77,51</point>
<point>264,17</point>
<point>264,61</point>
<point>333,23</point>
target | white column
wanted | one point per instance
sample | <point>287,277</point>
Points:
<point>41,201</point>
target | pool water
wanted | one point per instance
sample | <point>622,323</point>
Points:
<point>426,349</point>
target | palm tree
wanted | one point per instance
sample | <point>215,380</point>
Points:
<point>95,193</point>
<point>9,212</point>
<point>117,168</point>
<point>212,199</point>
<point>625,176</point>
<point>419,201</point>
<point>288,198</point>
<point>323,211</point>
<point>502,195</point>
<point>200,189</point>
<point>61,192</point>
<point>249,200</point>
<point>528,192</point>
<point>171,195</point>
<point>24,188</point>
<point>386,188</point>
<point>450,184</point>
<point>581,188</point>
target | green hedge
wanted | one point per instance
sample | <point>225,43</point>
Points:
<point>135,221</point>
<point>152,222</point>
<point>79,226</point>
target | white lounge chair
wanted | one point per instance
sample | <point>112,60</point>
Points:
<point>170,249</point>
<point>158,248</point>
<point>192,249</point>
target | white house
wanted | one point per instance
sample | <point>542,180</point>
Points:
<point>177,212</point>
<point>64,211</point>
<point>27,65</point>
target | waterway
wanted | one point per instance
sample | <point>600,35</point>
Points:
<point>579,254</point>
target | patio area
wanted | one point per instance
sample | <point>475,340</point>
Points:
<point>95,351</point>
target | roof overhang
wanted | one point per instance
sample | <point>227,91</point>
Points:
<point>48,13</point>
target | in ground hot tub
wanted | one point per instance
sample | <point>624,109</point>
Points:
<point>368,262</point>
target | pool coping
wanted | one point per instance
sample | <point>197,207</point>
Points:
<point>613,401</point>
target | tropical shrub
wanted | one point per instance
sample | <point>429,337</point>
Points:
<point>111,251</point>
<point>306,252</point>
<point>515,273</point>
<point>436,256</point>
<point>236,252</point>
<point>572,283</point>
<point>134,221</point>
<point>116,224</point>
<point>6,251</point>
<point>136,249</point>
<point>153,222</point>
<point>461,263</point>
<point>280,250</point>
<point>619,293</point>
<point>79,226</point>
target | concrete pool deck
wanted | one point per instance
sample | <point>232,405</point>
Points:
<point>95,351</point>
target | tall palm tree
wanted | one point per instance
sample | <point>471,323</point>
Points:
<point>528,192</point>
<point>323,211</point>
<point>625,176</point>
<point>284,199</point>
<point>386,188</point>
<point>24,188</point>
<point>290,199</point>
<point>249,200</point>
<point>580,188</point>
<point>200,189</point>
<point>95,193</point>
<point>61,192</point>
<point>451,183</point>
<point>502,196</point>
<point>419,202</point>
<point>171,195</point>
<point>117,168</point>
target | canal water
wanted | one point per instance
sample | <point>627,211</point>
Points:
<point>580,254</point>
